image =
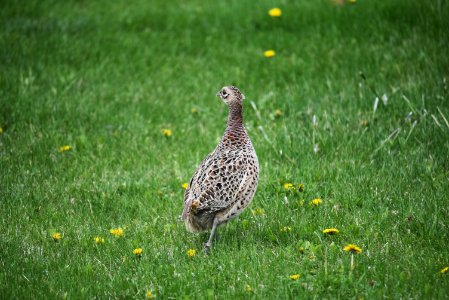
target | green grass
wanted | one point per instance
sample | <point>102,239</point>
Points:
<point>106,76</point>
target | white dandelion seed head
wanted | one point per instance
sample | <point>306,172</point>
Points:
<point>316,148</point>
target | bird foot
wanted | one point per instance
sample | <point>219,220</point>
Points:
<point>206,247</point>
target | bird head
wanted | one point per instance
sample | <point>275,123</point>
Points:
<point>230,94</point>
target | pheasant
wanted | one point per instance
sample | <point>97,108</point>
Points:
<point>226,180</point>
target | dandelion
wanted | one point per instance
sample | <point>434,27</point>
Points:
<point>331,231</point>
<point>56,236</point>
<point>248,288</point>
<point>185,185</point>
<point>167,132</point>
<point>275,12</point>
<point>65,148</point>
<point>301,187</point>
<point>278,113</point>
<point>352,248</point>
<point>194,110</point>
<point>1,130</point>
<point>363,123</point>
<point>117,232</point>
<point>149,295</point>
<point>444,270</point>
<point>138,252</point>
<point>269,53</point>
<point>191,252</point>
<point>295,276</point>
<point>258,212</point>
<point>99,240</point>
<point>286,229</point>
<point>289,186</point>
<point>316,201</point>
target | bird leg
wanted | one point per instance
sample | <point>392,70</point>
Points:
<point>206,246</point>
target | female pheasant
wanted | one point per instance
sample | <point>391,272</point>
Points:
<point>225,182</point>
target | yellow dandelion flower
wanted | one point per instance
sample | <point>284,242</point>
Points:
<point>149,295</point>
<point>117,232</point>
<point>275,12</point>
<point>56,236</point>
<point>258,211</point>
<point>191,252</point>
<point>352,248</point>
<point>289,186</point>
<point>138,251</point>
<point>316,201</point>
<point>167,132</point>
<point>1,130</point>
<point>286,229</point>
<point>278,113</point>
<point>185,185</point>
<point>331,231</point>
<point>444,270</point>
<point>65,148</point>
<point>300,187</point>
<point>363,123</point>
<point>295,276</point>
<point>194,110</point>
<point>269,53</point>
<point>99,240</point>
<point>248,288</point>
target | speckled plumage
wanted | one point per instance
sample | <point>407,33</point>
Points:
<point>226,180</point>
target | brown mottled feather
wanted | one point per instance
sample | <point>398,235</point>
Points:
<point>226,180</point>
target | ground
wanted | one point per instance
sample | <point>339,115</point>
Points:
<point>130,88</point>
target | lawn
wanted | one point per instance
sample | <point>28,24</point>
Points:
<point>353,106</point>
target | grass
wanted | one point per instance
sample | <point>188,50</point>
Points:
<point>106,77</point>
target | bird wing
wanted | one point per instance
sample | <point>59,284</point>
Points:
<point>217,180</point>
<point>187,192</point>
<point>192,189</point>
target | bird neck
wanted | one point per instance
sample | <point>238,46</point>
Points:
<point>235,135</point>
<point>235,115</point>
